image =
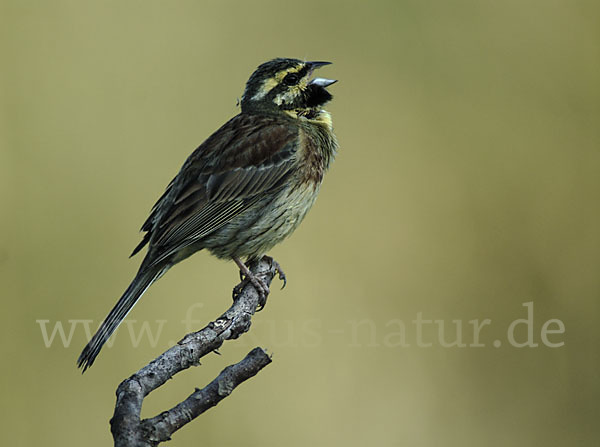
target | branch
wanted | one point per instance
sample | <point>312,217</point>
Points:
<point>126,427</point>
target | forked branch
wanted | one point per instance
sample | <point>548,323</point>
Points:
<point>127,428</point>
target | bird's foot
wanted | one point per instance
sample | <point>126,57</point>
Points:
<point>248,277</point>
<point>275,266</point>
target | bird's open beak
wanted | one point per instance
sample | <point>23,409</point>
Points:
<point>317,64</point>
<point>321,82</point>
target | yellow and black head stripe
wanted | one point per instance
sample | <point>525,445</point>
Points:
<point>288,76</point>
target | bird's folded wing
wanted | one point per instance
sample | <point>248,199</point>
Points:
<point>221,179</point>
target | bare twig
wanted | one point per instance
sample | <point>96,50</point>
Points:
<point>126,427</point>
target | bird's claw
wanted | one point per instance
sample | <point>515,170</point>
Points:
<point>277,268</point>
<point>246,276</point>
<point>261,288</point>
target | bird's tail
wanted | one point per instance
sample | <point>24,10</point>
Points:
<point>136,289</point>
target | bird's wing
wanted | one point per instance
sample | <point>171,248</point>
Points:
<point>234,167</point>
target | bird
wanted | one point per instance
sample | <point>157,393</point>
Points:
<point>244,189</point>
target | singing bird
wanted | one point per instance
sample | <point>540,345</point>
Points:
<point>243,190</point>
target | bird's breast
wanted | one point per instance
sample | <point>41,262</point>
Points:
<point>317,148</point>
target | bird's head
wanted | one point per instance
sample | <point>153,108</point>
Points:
<point>285,84</point>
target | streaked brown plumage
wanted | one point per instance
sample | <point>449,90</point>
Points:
<point>243,190</point>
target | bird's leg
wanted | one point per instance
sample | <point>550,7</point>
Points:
<point>275,265</point>
<point>259,285</point>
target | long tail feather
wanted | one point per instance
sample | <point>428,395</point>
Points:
<point>134,292</point>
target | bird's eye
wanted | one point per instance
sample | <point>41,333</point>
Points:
<point>291,79</point>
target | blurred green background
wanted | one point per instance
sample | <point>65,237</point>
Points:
<point>467,184</point>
